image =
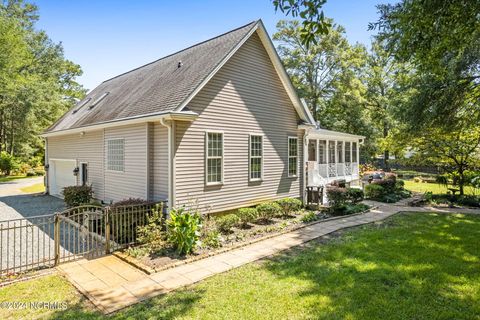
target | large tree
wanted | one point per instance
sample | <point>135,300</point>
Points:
<point>313,22</point>
<point>387,83</point>
<point>37,83</point>
<point>315,70</point>
<point>441,39</point>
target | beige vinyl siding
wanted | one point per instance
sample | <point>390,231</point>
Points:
<point>159,164</point>
<point>132,182</point>
<point>245,97</point>
<point>82,148</point>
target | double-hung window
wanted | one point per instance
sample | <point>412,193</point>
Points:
<point>256,158</point>
<point>214,161</point>
<point>115,154</point>
<point>292,156</point>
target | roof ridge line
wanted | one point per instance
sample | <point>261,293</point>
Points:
<point>174,53</point>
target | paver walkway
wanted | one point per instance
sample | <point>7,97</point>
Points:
<point>112,284</point>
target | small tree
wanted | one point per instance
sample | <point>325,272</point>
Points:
<point>7,163</point>
<point>455,152</point>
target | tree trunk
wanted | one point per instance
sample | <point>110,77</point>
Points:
<point>461,181</point>
<point>386,153</point>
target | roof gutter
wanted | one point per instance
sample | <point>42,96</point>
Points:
<point>180,116</point>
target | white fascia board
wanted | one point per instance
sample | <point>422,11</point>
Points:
<point>180,116</point>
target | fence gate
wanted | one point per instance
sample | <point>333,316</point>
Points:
<point>80,232</point>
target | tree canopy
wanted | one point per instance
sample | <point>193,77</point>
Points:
<point>441,39</point>
<point>37,83</point>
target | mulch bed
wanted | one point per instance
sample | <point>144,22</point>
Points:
<point>168,256</point>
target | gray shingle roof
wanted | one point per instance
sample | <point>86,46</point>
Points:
<point>160,86</point>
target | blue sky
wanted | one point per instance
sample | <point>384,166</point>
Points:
<point>110,37</point>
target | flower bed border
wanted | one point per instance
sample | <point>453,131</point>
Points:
<point>149,270</point>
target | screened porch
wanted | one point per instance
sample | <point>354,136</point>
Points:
<point>332,156</point>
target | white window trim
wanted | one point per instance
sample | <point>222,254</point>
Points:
<point>250,157</point>
<point>106,159</point>
<point>288,157</point>
<point>207,157</point>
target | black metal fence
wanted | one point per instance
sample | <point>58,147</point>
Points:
<point>84,231</point>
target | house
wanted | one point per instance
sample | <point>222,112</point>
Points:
<point>218,124</point>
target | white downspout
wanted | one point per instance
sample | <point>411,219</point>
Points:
<point>171,177</point>
<point>304,162</point>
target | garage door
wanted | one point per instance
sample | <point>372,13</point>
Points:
<point>61,175</point>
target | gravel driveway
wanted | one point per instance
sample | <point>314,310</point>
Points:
<point>12,188</point>
<point>26,238</point>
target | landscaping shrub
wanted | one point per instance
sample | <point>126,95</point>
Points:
<point>469,201</point>
<point>391,176</point>
<point>77,195</point>
<point>309,217</point>
<point>268,210</point>
<point>123,209</point>
<point>387,184</point>
<point>355,208</point>
<point>246,215</point>
<point>30,174</point>
<point>227,222</point>
<point>400,184</point>
<point>39,172</point>
<point>290,205</point>
<point>8,163</point>
<point>354,195</point>
<point>212,239</point>
<point>374,191</point>
<point>337,197</point>
<point>130,202</point>
<point>152,234</point>
<point>183,230</point>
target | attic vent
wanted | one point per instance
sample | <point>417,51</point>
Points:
<point>82,104</point>
<point>98,100</point>
<point>180,64</point>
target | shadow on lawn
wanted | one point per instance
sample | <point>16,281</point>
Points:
<point>166,306</point>
<point>423,266</point>
<point>412,266</point>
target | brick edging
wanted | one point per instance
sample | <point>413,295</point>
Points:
<point>149,270</point>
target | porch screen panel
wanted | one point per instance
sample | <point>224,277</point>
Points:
<point>331,152</point>
<point>322,152</point>
<point>348,157</point>
<point>340,151</point>
<point>354,152</point>
<point>312,150</point>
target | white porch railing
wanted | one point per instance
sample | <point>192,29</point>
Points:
<point>333,171</point>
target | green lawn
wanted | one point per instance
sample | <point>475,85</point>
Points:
<point>10,178</point>
<point>35,188</point>
<point>433,187</point>
<point>412,266</point>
